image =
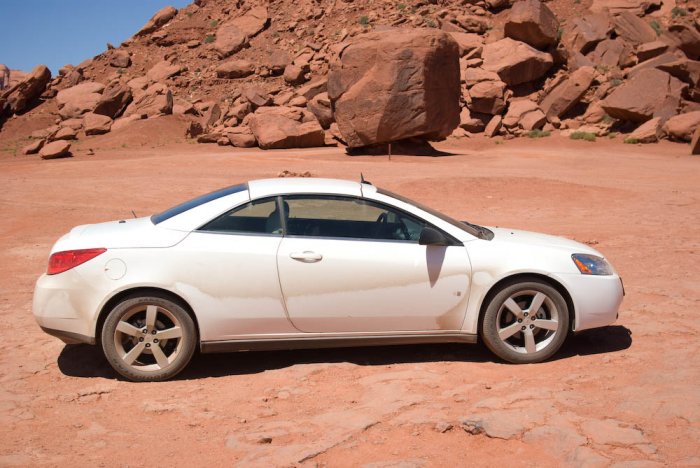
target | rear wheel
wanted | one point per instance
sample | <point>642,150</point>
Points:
<point>148,339</point>
<point>525,322</point>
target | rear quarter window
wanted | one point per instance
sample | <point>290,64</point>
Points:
<point>195,202</point>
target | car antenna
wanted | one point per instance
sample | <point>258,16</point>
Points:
<point>363,181</point>
<point>134,213</point>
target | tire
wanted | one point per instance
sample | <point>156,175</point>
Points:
<point>148,338</point>
<point>513,333</point>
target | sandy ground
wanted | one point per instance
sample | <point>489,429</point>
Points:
<point>625,395</point>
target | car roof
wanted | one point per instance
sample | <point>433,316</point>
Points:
<point>283,185</point>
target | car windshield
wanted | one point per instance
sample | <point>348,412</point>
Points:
<point>195,202</point>
<point>473,229</point>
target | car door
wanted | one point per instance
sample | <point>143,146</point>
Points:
<point>230,273</point>
<point>352,265</point>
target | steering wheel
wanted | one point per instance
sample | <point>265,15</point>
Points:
<point>384,219</point>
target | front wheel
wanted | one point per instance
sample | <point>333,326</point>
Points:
<point>148,339</point>
<point>525,322</point>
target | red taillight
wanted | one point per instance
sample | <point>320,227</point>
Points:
<point>64,261</point>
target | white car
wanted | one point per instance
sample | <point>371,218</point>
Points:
<point>296,263</point>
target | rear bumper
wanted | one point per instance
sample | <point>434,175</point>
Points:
<point>64,306</point>
<point>69,337</point>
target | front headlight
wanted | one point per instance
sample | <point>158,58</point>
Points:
<point>592,264</point>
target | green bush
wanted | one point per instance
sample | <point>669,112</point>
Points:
<point>656,27</point>
<point>214,23</point>
<point>209,39</point>
<point>537,133</point>
<point>364,20</point>
<point>677,11</point>
<point>630,141</point>
<point>587,136</point>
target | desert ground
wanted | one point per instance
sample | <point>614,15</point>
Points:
<point>624,395</point>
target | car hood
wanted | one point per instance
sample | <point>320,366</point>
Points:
<point>515,236</point>
<point>128,233</point>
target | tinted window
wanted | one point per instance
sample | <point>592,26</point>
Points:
<point>188,205</point>
<point>257,217</point>
<point>330,216</point>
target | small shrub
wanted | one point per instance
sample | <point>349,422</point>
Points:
<point>677,11</point>
<point>499,142</point>
<point>430,23</point>
<point>656,27</point>
<point>630,141</point>
<point>209,39</point>
<point>537,133</point>
<point>214,23</point>
<point>587,136</point>
<point>615,82</point>
<point>607,119</point>
<point>612,135</point>
<point>401,6</point>
<point>364,20</point>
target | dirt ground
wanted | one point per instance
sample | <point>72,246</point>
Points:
<point>624,395</point>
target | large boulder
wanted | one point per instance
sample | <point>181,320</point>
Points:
<point>162,17</point>
<point>568,93</point>
<point>163,70</point>
<point>467,42</point>
<point>79,99</point>
<point>96,124</point>
<point>234,34</point>
<point>488,97</point>
<point>19,97</point>
<point>648,132</point>
<point>523,112</point>
<point>637,7</point>
<point>685,38</point>
<point>650,93</point>
<point>320,106</point>
<point>587,31</point>
<point>611,53</point>
<point>683,69</point>
<point>632,28</point>
<point>515,62</point>
<point>532,22</point>
<point>695,143</point>
<point>235,68</point>
<point>56,149</point>
<point>280,127</point>
<point>115,98</point>
<point>682,126</point>
<point>396,84</point>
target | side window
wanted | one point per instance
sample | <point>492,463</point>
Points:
<point>332,216</point>
<point>256,217</point>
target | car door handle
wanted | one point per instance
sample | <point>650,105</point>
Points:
<point>307,256</point>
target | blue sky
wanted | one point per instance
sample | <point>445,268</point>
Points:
<point>57,32</point>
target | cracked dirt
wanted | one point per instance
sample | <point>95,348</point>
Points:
<point>624,395</point>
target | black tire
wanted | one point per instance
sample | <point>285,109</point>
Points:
<point>518,348</point>
<point>139,339</point>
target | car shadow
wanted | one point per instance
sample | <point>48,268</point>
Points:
<point>87,361</point>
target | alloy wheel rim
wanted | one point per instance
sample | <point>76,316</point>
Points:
<point>528,321</point>
<point>148,338</point>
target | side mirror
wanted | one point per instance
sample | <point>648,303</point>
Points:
<point>430,236</point>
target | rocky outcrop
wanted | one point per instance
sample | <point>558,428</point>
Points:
<point>234,34</point>
<point>488,97</point>
<point>163,70</point>
<point>532,22</point>
<point>648,132</point>
<point>162,17</point>
<point>398,84</point>
<point>587,31</point>
<point>686,38</point>
<point>632,28</point>
<point>96,124</point>
<point>20,97</point>
<point>633,100</point>
<point>515,62</point>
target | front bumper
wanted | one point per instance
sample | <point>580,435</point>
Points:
<point>596,299</point>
